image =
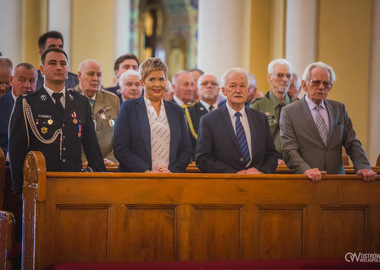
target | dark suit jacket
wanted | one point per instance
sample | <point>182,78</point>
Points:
<point>6,105</point>
<point>70,82</point>
<point>303,146</point>
<point>77,127</point>
<point>132,145</point>
<point>218,150</point>
<point>196,112</point>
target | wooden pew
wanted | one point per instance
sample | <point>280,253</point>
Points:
<point>121,217</point>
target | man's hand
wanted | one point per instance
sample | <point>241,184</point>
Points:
<point>368,175</point>
<point>250,171</point>
<point>280,162</point>
<point>161,169</point>
<point>315,175</point>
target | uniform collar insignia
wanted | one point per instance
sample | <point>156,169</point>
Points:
<point>71,97</point>
<point>43,97</point>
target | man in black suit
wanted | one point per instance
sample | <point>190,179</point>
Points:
<point>208,91</point>
<point>235,138</point>
<point>54,39</point>
<point>23,81</point>
<point>122,64</point>
<point>55,121</point>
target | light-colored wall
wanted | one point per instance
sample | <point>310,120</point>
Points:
<point>93,35</point>
<point>342,41</point>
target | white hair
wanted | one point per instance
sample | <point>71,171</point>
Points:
<point>237,70</point>
<point>306,73</point>
<point>169,86</point>
<point>177,75</point>
<point>280,61</point>
<point>129,72</point>
<point>200,79</point>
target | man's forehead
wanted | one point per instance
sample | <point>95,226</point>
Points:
<point>129,62</point>
<point>281,67</point>
<point>55,56</point>
<point>317,71</point>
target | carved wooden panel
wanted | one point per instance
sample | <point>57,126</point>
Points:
<point>343,229</point>
<point>82,233</point>
<point>215,232</point>
<point>151,233</point>
<point>281,231</point>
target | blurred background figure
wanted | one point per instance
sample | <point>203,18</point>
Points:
<point>130,86</point>
<point>6,68</point>
<point>169,91</point>
<point>295,86</point>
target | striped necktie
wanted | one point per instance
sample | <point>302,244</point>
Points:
<point>321,125</point>
<point>242,139</point>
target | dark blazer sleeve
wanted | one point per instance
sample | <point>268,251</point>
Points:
<point>128,140</point>
<point>18,146</point>
<point>180,145</point>
<point>90,143</point>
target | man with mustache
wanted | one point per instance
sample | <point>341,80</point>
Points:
<point>55,121</point>
<point>314,130</point>
<point>279,78</point>
<point>235,138</point>
<point>104,106</point>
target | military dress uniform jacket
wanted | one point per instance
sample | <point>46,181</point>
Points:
<point>269,105</point>
<point>104,114</point>
<point>195,112</point>
<point>34,131</point>
<point>6,105</point>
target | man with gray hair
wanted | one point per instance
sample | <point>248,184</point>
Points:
<point>295,86</point>
<point>314,129</point>
<point>279,78</point>
<point>130,86</point>
<point>184,90</point>
<point>104,106</point>
<point>235,138</point>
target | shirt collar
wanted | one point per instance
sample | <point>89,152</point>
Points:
<point>207,106</point>
<point>311,104</point>
<point>232,111</point>
<point>275,101</point>
<point>50,92</point>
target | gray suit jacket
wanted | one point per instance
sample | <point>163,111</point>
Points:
<point>303,146</point>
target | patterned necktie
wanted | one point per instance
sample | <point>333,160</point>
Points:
<point>242,139</point>
<point>210,108</point>
<point>321,125</point>
<point>92,102</point>
<point>58,104</point>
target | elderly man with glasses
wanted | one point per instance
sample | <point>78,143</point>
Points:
<point>314,129</point>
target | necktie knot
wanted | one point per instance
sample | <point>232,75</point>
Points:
<point>238,114</point>
<point>92,102</point>
<point>318,108</point>
<point>211,108</point>
<point>57,96</point>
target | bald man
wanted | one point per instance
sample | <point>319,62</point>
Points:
<point>104,106</point>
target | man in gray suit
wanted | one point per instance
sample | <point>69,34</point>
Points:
<point>314,129</point>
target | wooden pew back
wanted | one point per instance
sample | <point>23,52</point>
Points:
<point>116,217</point>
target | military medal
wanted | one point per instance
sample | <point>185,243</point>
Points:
<point>103,116</point>
<point>79,131</point>
<point>44,130</point>
<point>111,123</point>
<point>75,121</point>
<point>50,121</point>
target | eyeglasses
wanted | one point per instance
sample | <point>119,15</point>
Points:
<point>317,83</point>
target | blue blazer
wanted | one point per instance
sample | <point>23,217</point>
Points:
<point>218,150</point>
<point>132,145</point>
<point>6,106</point>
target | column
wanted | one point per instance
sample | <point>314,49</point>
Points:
<point>122,27</point>
<point>10,30</point>
<point>374,87</point>
<point>301,29</point>
<point>223,35</point>
<point>60,20</point>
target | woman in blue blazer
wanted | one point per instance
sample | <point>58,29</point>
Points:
<point>151,133</point>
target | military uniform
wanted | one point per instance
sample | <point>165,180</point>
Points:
<point>36,125</point>
<point>104,113</point>
<point>270,105</point>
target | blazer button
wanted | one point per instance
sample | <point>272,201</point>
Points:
<point>241,159</point>
<point>63,160</point>
<point>64,148</point>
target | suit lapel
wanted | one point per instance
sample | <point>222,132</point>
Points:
<point>251,122</point>
<point>329,109</point>
<point>143,121</point>
<point>99,101</point>
<point>173,124</point>
<point>309,119</point>
<point>229,128</point>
